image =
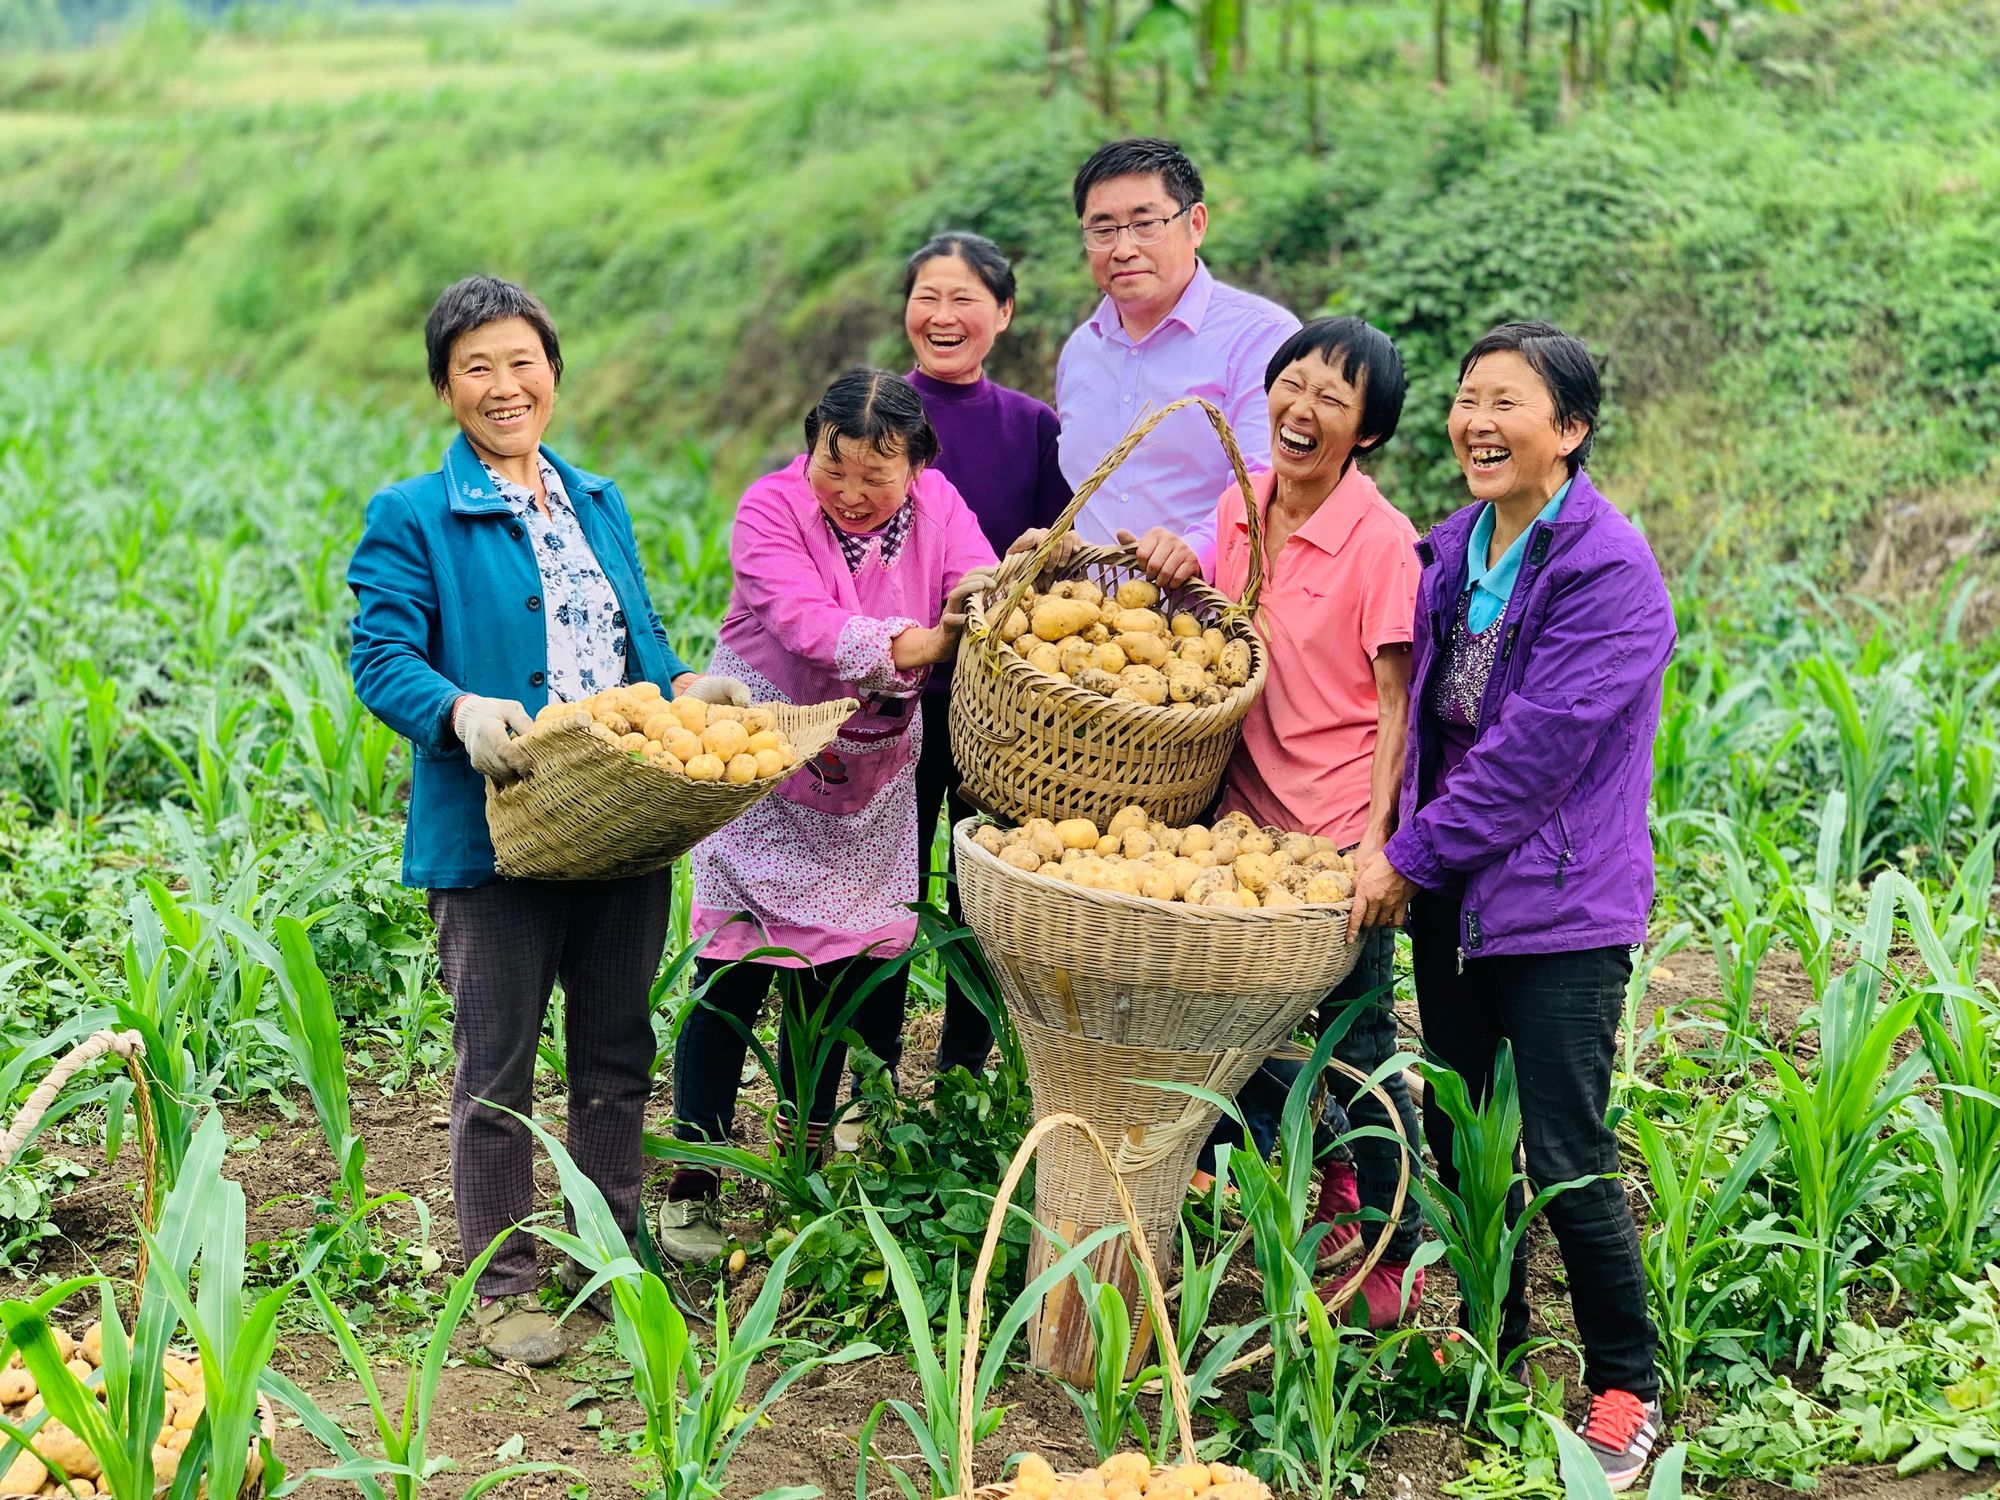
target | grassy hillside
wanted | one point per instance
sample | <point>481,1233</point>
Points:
<point>1789,272</point>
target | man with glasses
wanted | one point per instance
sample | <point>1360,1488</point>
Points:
<point>1165,329</point>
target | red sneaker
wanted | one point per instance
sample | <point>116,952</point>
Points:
<point>1339,1199</point>
<point>1381,1292</point>
<point>1620,1432</point>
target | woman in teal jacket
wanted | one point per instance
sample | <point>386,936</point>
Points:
<point>503,581</point>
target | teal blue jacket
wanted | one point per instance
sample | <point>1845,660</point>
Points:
<point>451,603</point>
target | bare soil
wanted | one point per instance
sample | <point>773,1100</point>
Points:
<point>573,1414</point>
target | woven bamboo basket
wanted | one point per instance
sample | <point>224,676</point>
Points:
<point>129,1046</point>
<point>589,811</point>
<point>1112,995</point>
<point>1030,746</point>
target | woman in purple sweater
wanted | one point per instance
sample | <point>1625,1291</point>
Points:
<point>998,448</point>
<point>1542,631</point>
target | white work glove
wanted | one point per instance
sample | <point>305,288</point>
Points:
<point>486,726</point>
<point>717,690</point>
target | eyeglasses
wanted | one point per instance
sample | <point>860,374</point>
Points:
<point>1143,231</point>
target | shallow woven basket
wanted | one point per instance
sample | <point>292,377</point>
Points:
<point>1029,746</point>
<point>129,1046</point>
<point>1112,995</point>
<point>589,811</point>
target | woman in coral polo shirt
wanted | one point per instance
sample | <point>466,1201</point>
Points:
<point>1322,749</point>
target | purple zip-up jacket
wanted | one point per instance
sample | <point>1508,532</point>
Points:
<point>1542,833</point>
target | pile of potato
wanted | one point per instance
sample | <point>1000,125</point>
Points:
<point>1124,645</point>
<point>701,741</point>
<point>1125,1476</point>
<point>1235,863</point>
<point>20,1401</point>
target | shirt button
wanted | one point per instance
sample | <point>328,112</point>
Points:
<point>514,531</point>
<point>536,679</point>
<point>1128,398</point>
<point>534,602</point>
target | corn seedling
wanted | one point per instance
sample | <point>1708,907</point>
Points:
<point>1583,1477</point>
<point>934,1424</point>
<point>695,1417</point>
<point>1483,1223</point>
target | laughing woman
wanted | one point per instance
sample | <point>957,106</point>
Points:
<point>501,581</point>
<point>852,565</point>
<point>1542,631</point>
<point>998,448</point>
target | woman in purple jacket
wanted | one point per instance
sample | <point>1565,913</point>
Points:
<point>998,448</point>
<point>1542,631</point>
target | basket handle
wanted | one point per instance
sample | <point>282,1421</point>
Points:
<point>131,1047</point>
<point>1149,1275</point>
<point>1106,467</point>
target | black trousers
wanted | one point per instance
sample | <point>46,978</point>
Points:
<point>708,1055</point>
<point>1368,1043</point>
<point>502,947</point>
<point>1560,1012</point>
<point>968,1036</point>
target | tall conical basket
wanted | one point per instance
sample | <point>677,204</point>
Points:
<point>1112,996</point>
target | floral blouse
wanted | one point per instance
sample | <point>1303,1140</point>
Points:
<point>585,626</point>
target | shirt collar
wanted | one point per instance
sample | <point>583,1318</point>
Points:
<point>1498,580</point>
<point>1329,527</point>
<point>514,493</point>
<point>1189,311</point>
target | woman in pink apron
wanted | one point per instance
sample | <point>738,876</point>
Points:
<point>852,565</point>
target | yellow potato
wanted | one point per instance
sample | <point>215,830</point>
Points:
<point>1144,683</point>
<point>1043,839</point>
<point>726,739</point>
<point>1077,833</point>
<point>1132,815</point>
<point>1254,871</point>
<point>1157,883</point>
<point>1142,649</point>
<point>764,739</point>
<point>16,1386</point>
<point>771,762</point>
<point>59,1446</point>
<point>706,767</point>
<point>166,1462</point>
<point>659,725</point>
<point>1015,625</point>
<point>1055,618</point>
<point>1034,1479</point>
<point>79,1367</point>
<point>741,769</point>
<point>66,1349</point>
<point>1185,626</point>
<point>1134,1467</point>
<point>1256,841</point>
<point>1212,887</point>
<point>633,742</point>
<point>1232,664</point>
<point>1195,838</point>
<point>1328,888</point>
<point>682,744</point>
<point>692,712</point>
<point>1193,1477</point>
<point>989,838</point>
<point>24,1475</point>
<point>1021,857</point>
<point>1123,879</point>
<point>1077,588</point>
<point>1138,593</point>
<point>1074,654</point>
<point>758,717</point>
<point>1194,651</point>
<point>1098,680</point>
<point>644,691</point>
<point>1185,681</point>
<point>82,1489</point>
<point>617,723</point>
<point>1139,621</point>
<point>1277,895</point>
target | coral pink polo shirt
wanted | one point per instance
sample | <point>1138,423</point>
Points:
<point>1344,587</point>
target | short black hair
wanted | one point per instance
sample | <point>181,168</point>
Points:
<point>994,270</point>
<point>1565,366</point>
<point>876,408</point>
<point>1140,156</point>
<point>1353,347</point>
<point>475,302</point>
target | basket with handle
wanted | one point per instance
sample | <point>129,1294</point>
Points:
<point>1111,996</point>
<point>1028,745</point>
<point>587,810</point>
<point>130,1047</point>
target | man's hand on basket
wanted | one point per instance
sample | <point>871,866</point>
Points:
<point>1163,556</point>
<point>486,726</point>
<point>1381,896</point>
<point>1059,554</point>
<point>713,690</point>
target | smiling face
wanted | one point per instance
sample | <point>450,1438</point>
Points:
<point>1143,278</point>
<point>858,488</point>
<point>1315,422</point>
<point>1503,429</point>
<point>952,320</point>
<point>501,388</point>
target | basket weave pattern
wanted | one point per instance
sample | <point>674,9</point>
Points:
<point>589,811</point>
<point>1028,745</point>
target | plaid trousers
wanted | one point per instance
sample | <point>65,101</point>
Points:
<point>502,948</point>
